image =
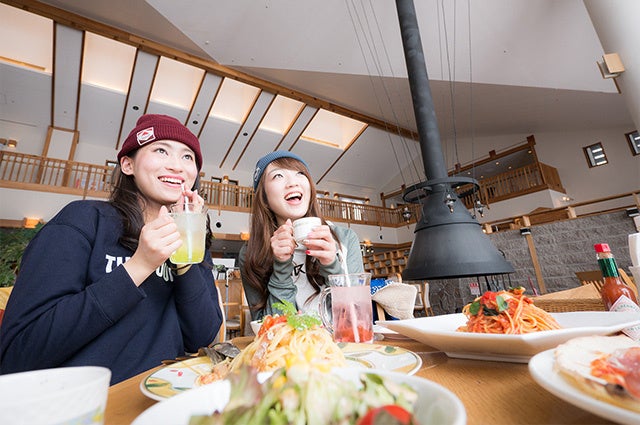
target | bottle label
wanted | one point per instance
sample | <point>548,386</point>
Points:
<point>608,267</point>
<point>624,303</point>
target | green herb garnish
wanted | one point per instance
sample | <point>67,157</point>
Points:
<point>502,304</point>
<point>295,319</point>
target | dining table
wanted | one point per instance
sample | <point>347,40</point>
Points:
<point>492,392</point>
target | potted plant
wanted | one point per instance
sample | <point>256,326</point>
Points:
<point>12,245</point>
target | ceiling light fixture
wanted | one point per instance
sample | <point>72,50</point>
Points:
<point>611,65</point>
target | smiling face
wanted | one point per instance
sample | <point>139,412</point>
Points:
<point>160,169</point>
<point>288,192</point>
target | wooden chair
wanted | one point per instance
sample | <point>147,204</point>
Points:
<point>595,278</point>
<point>222,332</point>
<point>582,298</point>
<point>234,306</point>
<point>422,300</point>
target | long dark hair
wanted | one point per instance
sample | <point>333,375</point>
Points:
<point>129,201</point>
<point>258,265</point>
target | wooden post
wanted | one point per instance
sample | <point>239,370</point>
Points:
<point>536,263</point>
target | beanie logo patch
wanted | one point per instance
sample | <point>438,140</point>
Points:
<point>145,136</point>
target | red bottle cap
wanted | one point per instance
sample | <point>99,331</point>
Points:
<point>602,247</point>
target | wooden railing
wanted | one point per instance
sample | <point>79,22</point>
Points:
<point>348,212</point>
<point>622,201</point>
<point>31,172</point>
<point>513,183</point>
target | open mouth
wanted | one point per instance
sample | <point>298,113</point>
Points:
<point>172,181</point>
<point>293,197</point>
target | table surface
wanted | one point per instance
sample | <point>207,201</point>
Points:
<point>492,392</point>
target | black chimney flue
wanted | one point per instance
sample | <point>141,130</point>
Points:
<point>448,241</point>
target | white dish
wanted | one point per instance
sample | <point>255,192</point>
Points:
<point>440,332</point>
<point>178,377</point>
<point>435,405</point>
<point>388,333</point>
<point>541,369</point>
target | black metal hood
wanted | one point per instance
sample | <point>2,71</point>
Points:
<point>449,242</point>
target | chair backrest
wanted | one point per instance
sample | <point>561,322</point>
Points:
<point>589,276</point>
<point>628,281</point>
<point>595,278</point>
<point>222,333</point>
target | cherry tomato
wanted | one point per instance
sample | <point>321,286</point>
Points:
<point>389,414</point>
<point>270,321</point>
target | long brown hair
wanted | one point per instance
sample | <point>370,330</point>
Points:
<point>258,264</point>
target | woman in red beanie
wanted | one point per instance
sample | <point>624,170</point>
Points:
<point>95,285</point>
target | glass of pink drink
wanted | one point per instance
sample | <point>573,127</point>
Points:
<point>351,316</point>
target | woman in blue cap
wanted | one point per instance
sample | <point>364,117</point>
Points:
<point>273,266</point>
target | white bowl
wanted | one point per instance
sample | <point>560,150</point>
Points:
<point>435,405</point>
<point>55,396</point>
<point>255,326</point>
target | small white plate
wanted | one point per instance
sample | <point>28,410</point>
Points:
<point>435,405</point>
<point>541,369</point>
<point>440,332</point>
<point>178,377</point>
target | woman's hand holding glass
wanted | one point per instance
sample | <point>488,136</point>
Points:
<point>159,238</point>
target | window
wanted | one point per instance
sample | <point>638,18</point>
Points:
<point>595,155</point>
<point>634,142</point>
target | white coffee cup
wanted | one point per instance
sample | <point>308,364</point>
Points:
<point>304,225</point>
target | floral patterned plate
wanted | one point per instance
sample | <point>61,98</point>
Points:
<point>181,376</point>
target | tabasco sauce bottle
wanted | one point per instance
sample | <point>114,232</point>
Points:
<point>616,295</point>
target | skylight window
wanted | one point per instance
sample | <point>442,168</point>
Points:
<point>234,101</point>
<point>281,115</point>
<point>634,142</point>
<point>35,49</point>
<point>330,129</point>
<point>595,155</point>
<point>107,63</point>
<point>176,83</point>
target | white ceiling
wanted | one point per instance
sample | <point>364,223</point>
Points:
<point>525,67</point>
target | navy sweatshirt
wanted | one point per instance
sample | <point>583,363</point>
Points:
<point>74,303</point>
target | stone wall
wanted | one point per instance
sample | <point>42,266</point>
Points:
<point>563,248</point>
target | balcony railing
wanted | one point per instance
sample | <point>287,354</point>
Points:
<point>31,172</point>
<point>511,184</point>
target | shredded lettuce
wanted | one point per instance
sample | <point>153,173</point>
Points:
<point>302,395</point>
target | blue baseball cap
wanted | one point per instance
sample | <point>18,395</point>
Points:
<point>268,159</point>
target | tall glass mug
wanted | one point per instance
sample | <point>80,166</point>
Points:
<point>191,220</point>
<point>352,318</point>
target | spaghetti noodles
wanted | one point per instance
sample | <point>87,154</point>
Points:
<point>506,312</point>
<point>279,344</point>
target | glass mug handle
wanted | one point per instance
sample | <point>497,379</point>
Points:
<point>324,309</point>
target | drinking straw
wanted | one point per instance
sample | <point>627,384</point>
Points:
<point>354,322</point>
<point>187,232</point>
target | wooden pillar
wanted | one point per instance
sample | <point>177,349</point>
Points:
<point>536,263</point>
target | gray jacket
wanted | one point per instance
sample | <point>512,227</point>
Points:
<point>281,286</point>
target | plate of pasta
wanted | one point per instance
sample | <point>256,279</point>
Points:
<point>506,326</point>
<point>191,373</point>
<point>283,341</point>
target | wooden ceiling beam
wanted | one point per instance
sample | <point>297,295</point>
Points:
<point>79,22</point>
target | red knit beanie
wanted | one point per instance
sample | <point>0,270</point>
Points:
<point>153,127</point>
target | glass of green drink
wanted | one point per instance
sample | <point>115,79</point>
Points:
<point>191,220</point>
